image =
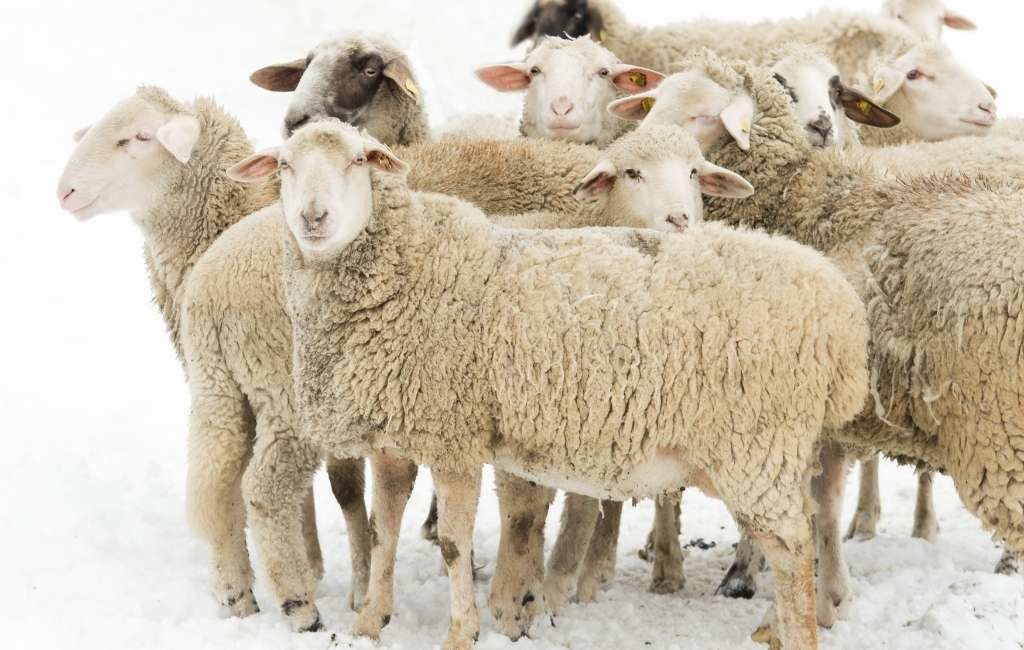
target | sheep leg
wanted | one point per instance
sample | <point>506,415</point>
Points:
<point>668,575</point>
<point>429,528</point>
<point>309,533</point>
<point>869,506</point>
<point>926,524</point>
<point>740,580</point>
<point>793,624</point>
<point>220,447</point>
<point>348,485</point>
<point>599,565</point>
<point>833,575</point>
<point>457,499</point>
<point>1010,564</point>
<point>518,584</point>
<point>579,517</point>
<point>275,487</point>
<point>393,480</point>
<point>646,552</point>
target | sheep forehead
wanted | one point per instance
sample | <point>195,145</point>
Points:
<point>654,142</point>
<point>794,59</point>
<point>159,99</point>
<point>124,114</point>
<point>929,54</point>
<point>353,44</point>
<point>729,74</point>
<point>684,89</point>
<point>331,137</point>
<point>897,6</point>
<point>584,49</point>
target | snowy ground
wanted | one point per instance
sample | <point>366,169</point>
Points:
<point>95,552</point>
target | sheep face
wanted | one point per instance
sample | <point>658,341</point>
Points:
<point>691,100</point>
<point>568,84</point>
<point>926,17</point>
<point>819,96</point>
<point>654,178</point>
<point>326,185</point>
<point>340,78</point>
<point>559,18</point>
<point>936,96</point>
<point>122,161</point>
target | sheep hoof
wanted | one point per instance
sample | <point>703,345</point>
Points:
<point>557,592</point>
<point>302,615</point>
<point>763,634</point>
<point>241,604</point>
<point>463,633</point>
<point>429,531</point>
<point>667,584</point>
<point>737,583</point>
<point>830,609</point>
<point>1010,564</point>
<point>647,552</point>
<point>369,623</point>
<point>864,526</point>
<point>928,530</point>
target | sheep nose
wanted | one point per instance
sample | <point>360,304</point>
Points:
<point>822,125</point>
<point>295,120</point>
<point>988,107</point>
<point>314,217</point>
<point>678,220</point>
<point>562,106</point>
<point>64,194</point>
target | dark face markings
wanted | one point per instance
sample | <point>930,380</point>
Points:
<point>785,84</point>
<point>571,18</point>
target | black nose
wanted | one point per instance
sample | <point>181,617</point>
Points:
<point>678,220</point>
<point>822,125</point>
<point>293,122</point>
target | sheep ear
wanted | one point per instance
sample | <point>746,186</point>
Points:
<point>380,157</point>
<point>886,82</point>
<point>598,182</point>
<point>179,136</point>
<point>860,109</point>
<point>634,107</point>
<point>632,79</point>
<point>527,27</point>
<point>505,77</point>
<point>738,118</point>
<point>954,20</point>
<point>256,167</point>
<point>719,181</point>
<point>397,70</point>
<point>281,78</point>
<point>80,133</point>
<point>992,91</point>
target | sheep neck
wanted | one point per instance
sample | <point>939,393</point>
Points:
<point>194,207</point>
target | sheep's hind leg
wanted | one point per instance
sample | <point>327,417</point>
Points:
<point>275,488</point>
<point>579,517</point>
<point>864,524</point>
<point>429,528</point>
<point>457,499</point>
<point>517,589</point>
<point>792,562</point>
<point>348,485</point>
<point>220,447</point>
<point>309,533</point>
<point>833,575</point>
<point>667,576</point>
<point>926,524</point>
<point>599,564</point>
<point>393,480</point>
<point>740,580</point>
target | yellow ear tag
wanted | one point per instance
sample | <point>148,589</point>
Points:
<point>384,162</point>
<point>879,85</point>
<point>411,87</point>
<point>864,106</point>
<point>639,79</point>
<point>745,126</point>
<point>647,104</point>
<point>601,36</point>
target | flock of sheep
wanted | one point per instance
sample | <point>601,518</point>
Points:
<point>557,299</point>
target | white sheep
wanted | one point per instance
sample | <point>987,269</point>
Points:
<point>362,78</point>
<point>926,17</point>
<point>905,242</point>
<point>432,369</point>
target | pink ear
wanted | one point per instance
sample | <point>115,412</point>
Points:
<point>632,79</point>
<point>255,167</point>
<point>956,21</point>
<point>634,107</point>
<point>598,182</point>
<point>504,77</point>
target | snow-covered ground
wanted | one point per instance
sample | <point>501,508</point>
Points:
<point>95,552</point>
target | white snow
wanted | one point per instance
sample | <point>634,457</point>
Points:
<point>95,552</point>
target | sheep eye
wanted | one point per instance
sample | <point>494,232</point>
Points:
<point>370,72</point>
<point>534,71</point>
<point>360,160</point>
<point>142,138</point>
<point>693,173</point>
<point>123,142</point>
<point>604,72</point>
<point>283,164</point>
<point>914,74</point>
<point>633,174</point>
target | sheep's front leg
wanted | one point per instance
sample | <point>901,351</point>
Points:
<point>599,565</point>
<point>457,499</point>
<point>833,574</point>
<point>667,575</point>
<point>309,533</point>
<point>869,506</point>
<point>579,517</point>
<point>393,480</point>
<point>926,524</point>
<point>740,580</point>
<point>518,586</point>
<point>429,528</point>
<point>348,484</point>
<point>794,626</point>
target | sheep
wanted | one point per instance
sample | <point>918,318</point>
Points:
<point>362,78</point>
<point>927,404</point>
<point>568,83</point>
<point>168,160</point>
<point>378,365</point>
<point>926,17</point>
<point>846,38</point>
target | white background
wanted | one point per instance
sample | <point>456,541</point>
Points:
<point>94,551</point>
